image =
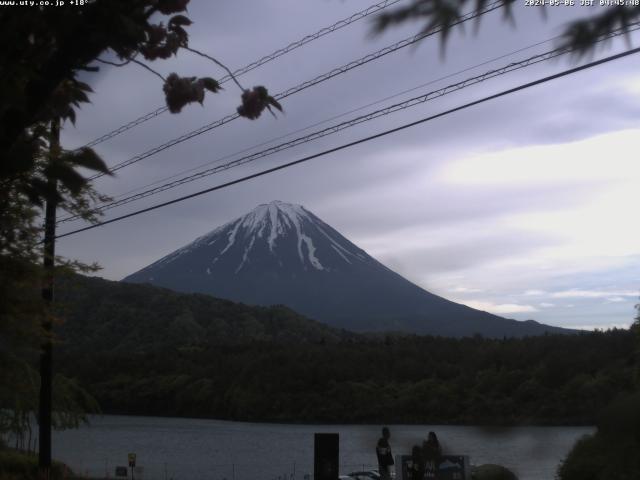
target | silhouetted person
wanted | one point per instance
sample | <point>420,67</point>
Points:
<point>417,464</point>
<point>431,452</point>
<point>385,458</point>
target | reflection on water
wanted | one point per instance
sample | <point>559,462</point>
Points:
<point>189,449</point>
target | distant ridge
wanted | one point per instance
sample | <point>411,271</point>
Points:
<point>281,253</point>
<point>106,316</point>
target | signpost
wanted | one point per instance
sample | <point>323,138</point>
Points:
<point>132,464</point>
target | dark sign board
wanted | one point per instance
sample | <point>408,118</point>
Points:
<point>326,456</point>
<point>450,467</point>
<point>122,472</point>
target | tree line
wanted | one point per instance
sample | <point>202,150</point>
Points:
<point>551,380</point>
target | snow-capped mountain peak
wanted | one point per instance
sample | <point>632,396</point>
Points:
<point>272,228</point>
<point>274,219</point>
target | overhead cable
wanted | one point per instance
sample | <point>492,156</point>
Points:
<point>357,142</point>
<point>303,86</point>
<point>253,65</point>
<point>412,102</point>
<point>329,119</point>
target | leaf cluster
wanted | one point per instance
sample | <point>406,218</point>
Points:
<point>50,46</point>
<point>38,172</point>
<point>19,404</point>
<point>163,42</point>
<point>581,36</point>
<point>440,15</point>
<point>255,101</point>
<point>179,91</point>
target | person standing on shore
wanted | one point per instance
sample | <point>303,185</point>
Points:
<point>416,472</point>
<point>432,451</point>
<point>383,452</point>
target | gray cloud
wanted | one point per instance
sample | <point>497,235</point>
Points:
<point>480,247</point>
<point>381,188</point>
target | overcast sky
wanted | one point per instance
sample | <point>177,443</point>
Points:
<point>525,206</point>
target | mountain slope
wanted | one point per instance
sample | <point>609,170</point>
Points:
<point>281,253</point>
<point>102,315</point>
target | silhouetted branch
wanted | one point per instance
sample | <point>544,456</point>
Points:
<point>193,50</point>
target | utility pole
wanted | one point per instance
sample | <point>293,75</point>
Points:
<point>46,359</point>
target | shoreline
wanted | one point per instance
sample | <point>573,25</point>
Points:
<point>348,424</point>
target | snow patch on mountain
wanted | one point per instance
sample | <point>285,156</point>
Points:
<point>339,248</point>
<point>273,217</point>
<point>231,239</point>
<point>245,256</point>
<point>341,254</point>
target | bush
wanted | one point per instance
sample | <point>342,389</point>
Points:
<point>15,465</point>
<point>612,452</point>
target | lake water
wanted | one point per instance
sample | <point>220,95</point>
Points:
<point>192,449</point>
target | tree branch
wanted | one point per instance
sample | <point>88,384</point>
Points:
<point>107,62</point>
<point>148,68</point>
<point>197,52</point>
<point>129,60</point>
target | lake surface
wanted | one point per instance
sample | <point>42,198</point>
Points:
<point>191,449</point>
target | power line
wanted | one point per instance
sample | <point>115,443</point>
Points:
<point>496,4</point>
<point>362,140</point>
<point>252,66</point>
<point>334,117</point>
<point>330,130</point>
<point>513,66</point>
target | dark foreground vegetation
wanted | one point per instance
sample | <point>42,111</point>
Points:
<point>612,452</point>
<point>15,465</point>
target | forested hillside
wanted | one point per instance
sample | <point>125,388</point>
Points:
<point>101,315</point>
<point>540,380</point>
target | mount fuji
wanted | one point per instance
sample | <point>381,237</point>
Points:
<point>280,253</point>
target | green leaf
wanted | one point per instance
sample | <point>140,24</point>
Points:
<point>64,173</point>
<point>180,20</point>
<point>275,103</point>
<point>70,114</point>
<point>79,97</point>
<point>180,34</point>
<point>171,6</point>
<point>87,158</point>
<point>35,190</point>
<point>83,86</point>
<point>210,84</point>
